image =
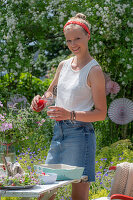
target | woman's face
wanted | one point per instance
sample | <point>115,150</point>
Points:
<point>77,40</point>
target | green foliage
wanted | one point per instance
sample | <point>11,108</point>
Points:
<point>26,85</point>
<point>107,132</point>
<point>99,193</point>
<point>116,152</point>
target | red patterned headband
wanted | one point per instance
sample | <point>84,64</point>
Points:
<point>80,24</point>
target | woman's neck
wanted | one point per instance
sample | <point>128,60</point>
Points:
<point>79,61</point>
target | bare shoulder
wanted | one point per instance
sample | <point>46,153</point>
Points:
<point>96,71</point>
<point>96,75</point>
<point>59,68</point>
<point>61,65</point>
<point>96,68</point>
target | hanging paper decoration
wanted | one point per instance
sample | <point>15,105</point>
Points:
<point>112,87</point>
<point>121,111</point>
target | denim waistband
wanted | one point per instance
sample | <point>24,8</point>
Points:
<point>74,122</point>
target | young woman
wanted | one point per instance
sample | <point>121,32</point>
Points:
<point>80,100</point>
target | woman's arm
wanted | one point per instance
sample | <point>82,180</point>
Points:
<point>96,81</point>
<point>49,91</point>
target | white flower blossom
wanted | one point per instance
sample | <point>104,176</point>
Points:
<point>15,73</point>
<point>25,69</point>
<point>61,17</point>
<point>120,74</point>
<point>96,6</point>
<point>100,43</point>
<point>101,32</point>
<point>101,9</point>
<point>107,2</point>
<point>129,66</point>
<point>52,28</point>
<point>5,58</point>
<point>20,50</point>
<point>106,8</point>
<point>11,21</point>
<point>89,9</point>
<point>127,39</point>
<point>94,28</point>
<point>73,13</point>
<point>108,60</point>
<point>130,24</point>
<point>18,66</point>
<point>98,13</point>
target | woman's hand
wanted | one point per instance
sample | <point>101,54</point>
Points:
<point>58,113</point>
<point>47,95</point>
<point>34,102</point>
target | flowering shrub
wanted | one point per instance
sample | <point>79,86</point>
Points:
<point>38,35</point>
<point>19,125</point>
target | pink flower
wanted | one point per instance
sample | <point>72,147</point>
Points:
<point>1,105</point>
<point>2,118</point>
<point>39,124</point>
<point>9,125</point>
<point>43,120</point>
<point>5,126</point>
<point>112,87</point>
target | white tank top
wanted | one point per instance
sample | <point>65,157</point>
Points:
<point>73,92</point>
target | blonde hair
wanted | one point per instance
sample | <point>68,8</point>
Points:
<point>80,18</point>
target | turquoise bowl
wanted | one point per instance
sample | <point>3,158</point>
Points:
<point>64,172</point>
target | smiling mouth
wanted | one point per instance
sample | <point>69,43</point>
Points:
<point>76,49</point>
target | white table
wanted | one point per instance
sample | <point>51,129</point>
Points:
<point>42,192</point>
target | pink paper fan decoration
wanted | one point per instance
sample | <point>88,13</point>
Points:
<point>112,87</point>
<point>121,111</point>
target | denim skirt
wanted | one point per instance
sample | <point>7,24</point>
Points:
<point>74,143</point>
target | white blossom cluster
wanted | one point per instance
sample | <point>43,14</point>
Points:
<point>61,17</point>
<point>121,8</point>
<point>20,49</point>
<point>130,24</point>
<point>17,2</point>
<point>11,25</point>
<point>106,18</point>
